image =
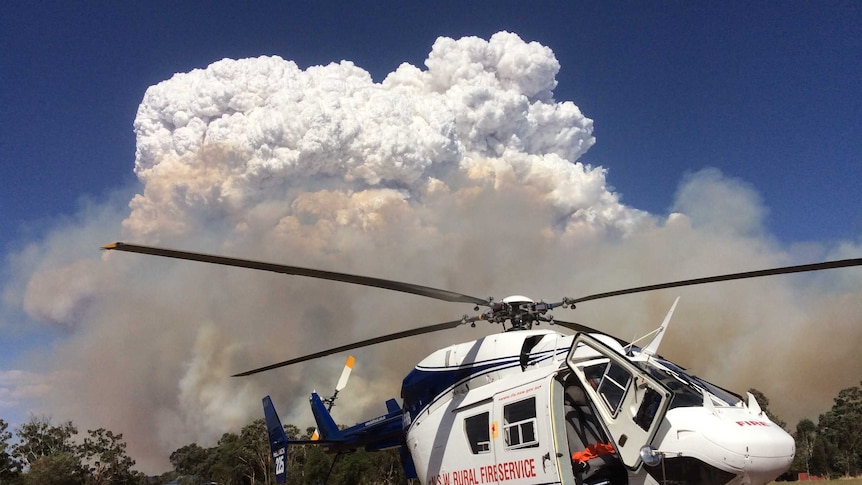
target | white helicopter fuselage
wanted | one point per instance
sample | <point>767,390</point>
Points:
<point>510,408</point>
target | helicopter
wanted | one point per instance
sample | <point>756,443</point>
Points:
<point>537,406</point>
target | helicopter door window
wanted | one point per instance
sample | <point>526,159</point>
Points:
<point>478,431</point>
<point>519,424</point>
<point>613,386</point>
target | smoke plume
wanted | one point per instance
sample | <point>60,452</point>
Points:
<point>462,175</point>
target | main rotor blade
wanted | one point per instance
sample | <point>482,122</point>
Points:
<point>364,343</point>
<point>576,327</point>
<point>436,293</point>
<point>844,263</point>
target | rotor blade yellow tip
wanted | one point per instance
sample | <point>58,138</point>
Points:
<point>350,361</point>
<point>113,245</point>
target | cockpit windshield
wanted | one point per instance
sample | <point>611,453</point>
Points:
<point>688,389</point>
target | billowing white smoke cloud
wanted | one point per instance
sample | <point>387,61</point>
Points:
<point>463,175</point>
<point>225,141</point>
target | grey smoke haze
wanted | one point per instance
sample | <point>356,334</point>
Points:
<point>463,175</point>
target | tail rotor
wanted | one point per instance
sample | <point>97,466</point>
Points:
<point>342,383</point>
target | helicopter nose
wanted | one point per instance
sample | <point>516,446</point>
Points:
<point>758,448</point>
<point>747,447</point>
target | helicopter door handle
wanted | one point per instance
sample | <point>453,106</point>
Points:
<point>546,459</point>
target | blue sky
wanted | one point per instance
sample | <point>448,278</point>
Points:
<point>767,93</point>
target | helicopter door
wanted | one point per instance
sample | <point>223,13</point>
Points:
<point>522,440</point>
<point>630,402</point>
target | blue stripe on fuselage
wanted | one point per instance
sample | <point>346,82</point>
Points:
<point>425,384</point>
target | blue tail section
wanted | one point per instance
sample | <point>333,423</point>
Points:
<point>277,440</point>
<point>325,424</point>
<point>381,433</point>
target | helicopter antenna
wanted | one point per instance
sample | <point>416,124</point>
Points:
<point>651,348</point>
<point>637,339</point>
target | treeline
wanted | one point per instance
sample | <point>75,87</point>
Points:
<point>245,459</point>
<point>48,454</point>
<point>833,446</point>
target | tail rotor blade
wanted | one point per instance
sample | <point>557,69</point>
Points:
<point>345,374</point>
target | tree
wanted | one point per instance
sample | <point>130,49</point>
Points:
<point>8,465</point>
<point>255,454</point>
<point>191,461</point>
<point>236,459</point>
<point>107,452</point>
<point>352,468</point>
<point>61,468</point>
<point>820,457</point>
<point>386,467</point>
<point>842,429</point>
<point>38,438</point>
<point>51,455</point>
<point>315,466</point>
<point>223,464</point>
<point>804,436</point>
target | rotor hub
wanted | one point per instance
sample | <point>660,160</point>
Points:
<point>519,311</point>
